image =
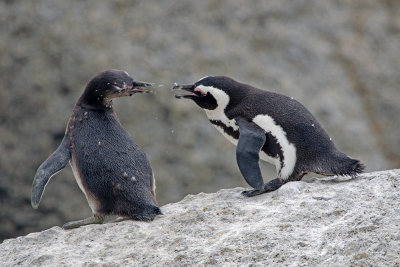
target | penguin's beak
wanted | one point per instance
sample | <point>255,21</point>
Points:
<point>139,87</point>
<point>190,88</point>
<point>135,87</point>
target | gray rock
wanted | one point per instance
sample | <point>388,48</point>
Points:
<point>357,225</point>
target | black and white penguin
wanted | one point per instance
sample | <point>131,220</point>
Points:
<point>270,126</point>
<point>109,167</point>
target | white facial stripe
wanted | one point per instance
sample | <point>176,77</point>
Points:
<point>222,99</point>
<point>288,150</point>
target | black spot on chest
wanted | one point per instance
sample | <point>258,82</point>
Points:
<point>227,129</point>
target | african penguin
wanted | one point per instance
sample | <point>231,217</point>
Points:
<point>270,126</point>
<point>109,167</point>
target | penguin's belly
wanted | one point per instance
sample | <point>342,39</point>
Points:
<point>106,162</point>
<point>286,164</point>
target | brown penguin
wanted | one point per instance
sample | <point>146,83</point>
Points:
<point>109,167</point>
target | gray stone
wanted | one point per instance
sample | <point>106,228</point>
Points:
<point>357,226</point>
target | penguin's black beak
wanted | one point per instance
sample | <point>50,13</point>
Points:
<point>139,87</point>
<point>188,88</point>
<point>135,87</point>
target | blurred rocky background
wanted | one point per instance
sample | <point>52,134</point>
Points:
<point>340,58</point>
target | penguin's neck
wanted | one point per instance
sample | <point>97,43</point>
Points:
<point>218,114</point>
<point>93,103</point>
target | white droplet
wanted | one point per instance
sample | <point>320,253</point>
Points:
<point>291,97</point>
<point>330,139</point>
<point>133,179</point>
<point>312,125</point>
<point>99,143</point>
<point>125,175</point>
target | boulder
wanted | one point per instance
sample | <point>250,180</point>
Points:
<point>318,222</point>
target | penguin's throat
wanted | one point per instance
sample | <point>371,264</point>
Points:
<point>108,103</point>
<point>99,103</point>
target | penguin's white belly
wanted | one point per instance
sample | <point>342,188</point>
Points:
<point>268,124</point>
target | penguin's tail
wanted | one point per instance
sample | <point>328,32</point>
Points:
<point>157,210</point>
<point>147,214</point>
<point>346,166</point>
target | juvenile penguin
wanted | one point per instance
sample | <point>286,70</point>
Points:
<point>109,167</point>
<point>270,126</point>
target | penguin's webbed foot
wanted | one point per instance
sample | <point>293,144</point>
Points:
<point>273,185</point>
<point>121,219</point>
<point>268,187</point>
<point>76,224</point>
<point>252,193</point>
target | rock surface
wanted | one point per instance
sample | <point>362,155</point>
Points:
<point>340,58</point>
<point>322,222</point>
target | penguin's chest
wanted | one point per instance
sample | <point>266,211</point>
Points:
<point>103,152</point>
<point>228,128</point>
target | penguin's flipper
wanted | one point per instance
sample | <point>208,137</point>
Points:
<point>251,140</point>
<point>51,166</point>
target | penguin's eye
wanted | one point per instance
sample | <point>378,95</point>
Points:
<point>116,85</point>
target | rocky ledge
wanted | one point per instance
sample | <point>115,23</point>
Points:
<point>334,221</point>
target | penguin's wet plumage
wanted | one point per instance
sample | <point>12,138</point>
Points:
<point>293,140</point>
<point>114,166</point>
<point>109,167</point>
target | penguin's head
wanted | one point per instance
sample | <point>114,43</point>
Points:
<point>110,84</point>
<point>212,91</point>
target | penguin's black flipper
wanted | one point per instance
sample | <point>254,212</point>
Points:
<point>51,166</point>
<point>251,140</point>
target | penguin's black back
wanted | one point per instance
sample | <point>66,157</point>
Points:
<point>114,169</point>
